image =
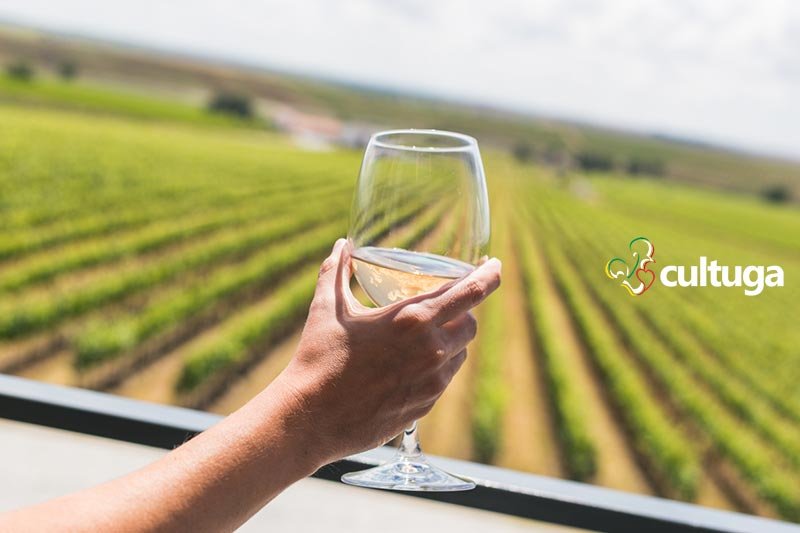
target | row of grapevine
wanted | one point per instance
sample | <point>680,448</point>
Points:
<point>212,364</point>
<point>422,226</point>
<point>489,395</point>
<point>578,446</point>
<point>31,216</point>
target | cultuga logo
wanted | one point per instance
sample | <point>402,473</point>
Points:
<point>637,278</point>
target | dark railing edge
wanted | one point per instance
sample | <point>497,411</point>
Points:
<point>499,490</point>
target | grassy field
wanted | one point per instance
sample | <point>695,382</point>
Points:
<point>172,75</point>
<point>100,98</point>
<point>159,252</point>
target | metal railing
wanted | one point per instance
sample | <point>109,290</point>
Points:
<point>499,490</point>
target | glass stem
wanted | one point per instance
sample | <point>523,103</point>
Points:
<point>409,445</point>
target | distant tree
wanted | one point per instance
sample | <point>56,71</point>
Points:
<point>232,104</point>
<point>523,152</point>
<point>594,161</point>
<point>644,165</point>
<point>20,70</point>
<point>556,155</point>
<point>777,194</point>
<point>67,70</point>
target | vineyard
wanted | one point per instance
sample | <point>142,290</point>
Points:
<point>174,260</point>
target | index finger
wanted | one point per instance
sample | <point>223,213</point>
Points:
<point>465,293</point>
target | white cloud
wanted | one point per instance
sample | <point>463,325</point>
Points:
<point>725,70</point>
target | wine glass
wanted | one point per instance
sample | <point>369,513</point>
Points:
<point>420,218</point>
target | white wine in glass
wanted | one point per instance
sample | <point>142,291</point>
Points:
<point>390,275</point>
<point>420,219</point>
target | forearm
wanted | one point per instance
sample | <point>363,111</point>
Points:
<point>214,482</point>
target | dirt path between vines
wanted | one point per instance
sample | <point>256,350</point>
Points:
<point>56,369</point>
<point>447,428</point>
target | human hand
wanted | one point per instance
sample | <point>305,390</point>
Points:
<point>362,375</point>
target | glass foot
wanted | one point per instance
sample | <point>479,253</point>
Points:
<point>414,473</point>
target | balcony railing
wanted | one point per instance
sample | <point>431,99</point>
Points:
<point>499,490</point>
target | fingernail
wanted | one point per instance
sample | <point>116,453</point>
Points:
<point>495,262</point>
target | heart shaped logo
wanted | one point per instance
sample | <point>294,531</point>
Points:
<point>646,278</point>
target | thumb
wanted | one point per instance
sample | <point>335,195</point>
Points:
<point>329,269</point>
<point>333,285</point>
<point>325,292</point>
<point>345,300</point>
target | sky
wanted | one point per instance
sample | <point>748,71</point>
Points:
<point>724,71</point>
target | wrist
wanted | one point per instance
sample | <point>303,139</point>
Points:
<point>301,421</point>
